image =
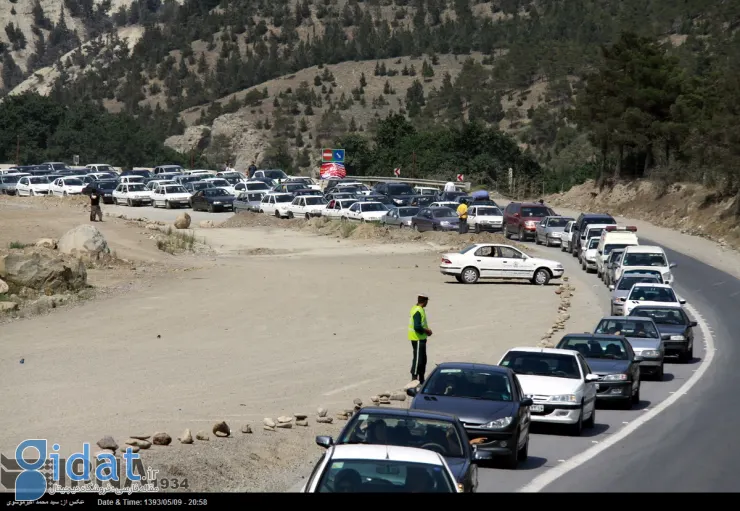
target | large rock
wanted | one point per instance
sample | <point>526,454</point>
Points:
<point>182,221</point>
<point>84,241</point>
<point>4,288</point>
<point>45,273</point>
<point>49,243</point>
<point>161,439</point>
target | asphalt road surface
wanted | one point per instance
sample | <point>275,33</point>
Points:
<point>550,447</point>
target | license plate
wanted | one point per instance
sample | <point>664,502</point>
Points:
<point>537,408</point>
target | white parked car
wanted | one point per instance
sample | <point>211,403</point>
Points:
<point>220,182</point>
<point>132,194</point>
<point>365,212</point>
<point>337,208</point>
<point>590,254</point>
<point>276,204</point>
<point>306,206</point>
<point>445,204</point>
<point>648,294</point>
<point>614,238</point>
<point>560,384</point>
<point>252,186</point>
<point>156,183</point>
<point>200,172</point>
<point>161,169</point>
<point>485,218</point>
<point>132,179</point>
<point>101,168</point>
<point>644,257</point>
<point>171,196</point>
<point>426,190</point>
<point>490,261</point>
<point>100,176</point>
<point>367,468</point>
<point>567,236</point>
<point>64,186</point>
<point>31,186</point>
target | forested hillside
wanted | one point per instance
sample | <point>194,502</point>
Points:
<point>581,95</point>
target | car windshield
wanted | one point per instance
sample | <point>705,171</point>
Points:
<point>134,179</point>
<point>253,197</point>
<point>384,476</point>
<point>105,185</point>
<point>654,273</point>
<point>469,384</point>
<point>73,182</point>
<point>188,179</point>
<point>652,294</point>
<point>598,220</point>
<point>380,429</point>
<point>558,222</point>
<point>275,174</point>
<point>346,203</point>
<point>105,168</point>
<point>672,316</point>
<point>627,328</point>
<point>201,186</point>
<point>636,259</point>
<point>136,188</point>
<point>537,212</point>
<point>596,348</point>
<point>626,283</point>
<point>426,191</point>
<point>615,255</point>
<point>216,192</point>
<point>489,212</point>
<point>542,364</point>
<point>373,206</point>
<point>443,213</point>
<point>11,179</point>
<point>400,190</point>
<point>38,180</point>
<point>219,182</point>
<point>175,189</point>
<point>314,201</point>
<point>283,198</point>
<point>468,249</point>
<point>405,212</point>
<point>593,243</point>
<point>608,248</point>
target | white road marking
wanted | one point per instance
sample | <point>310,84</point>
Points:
<point>625,422</point>
<point>348,387</point>
<point>718,283</point>
<point>549,476</point>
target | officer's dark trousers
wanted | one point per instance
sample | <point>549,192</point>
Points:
<point>419,360</point>
<point>462,227</point>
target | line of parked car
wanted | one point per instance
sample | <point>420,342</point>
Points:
<point>467,414</point>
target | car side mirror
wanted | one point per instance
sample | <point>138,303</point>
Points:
<point>481,455</point>
<point>592,377</point>
<point>693,324</point>
<point>672,265</point>
<point>638,359</point>
<point>411,392</point>
<point>324,441</point>
<point>666,337</point>
<point>527,402</point>
<point>682,301</point>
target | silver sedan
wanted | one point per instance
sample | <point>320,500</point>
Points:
<point>399,217</point>
<point>550,229</point>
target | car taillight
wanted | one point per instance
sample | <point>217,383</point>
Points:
<point>446,261</point>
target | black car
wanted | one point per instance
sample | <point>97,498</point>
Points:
<point>489,402</point>
<point>306,192</point>
<point>374,197</point>
<point>422,201</point>
<point>435,219</point>
<point>450,196</point>
<point>104,187</point>
<point>676,324</point>
<point>212,200</point>
<point>612,358</point>
<point>138,172</point>
<point>400,194</point>
<point>439,432</point>
<point>579,227</point>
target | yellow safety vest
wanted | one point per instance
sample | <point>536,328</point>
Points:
<point>462,211</point>
<point>413,334</point>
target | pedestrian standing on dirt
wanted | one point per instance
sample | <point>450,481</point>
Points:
<point>252,169</point>
<point>462,214</point>
<point>95,211</point>
<point>418,333</point>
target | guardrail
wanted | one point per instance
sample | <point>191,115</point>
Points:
<point>422,182</point>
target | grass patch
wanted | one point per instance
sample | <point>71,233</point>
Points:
<point>18,244</point>
<point>4,297</point>
<point>174,241</point>
<point>346,229</point>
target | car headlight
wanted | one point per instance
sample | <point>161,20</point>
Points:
<point>216,202</point>
<point>445,223</point>
<point>408,222</point>
<point>667,276</point>
<point>564,398</point>
<point>650,354</point>
<point>558,266</point>
<point>678,338</point>
<point>529,223</point>
<point>615,377</point>
<point>499,423</point>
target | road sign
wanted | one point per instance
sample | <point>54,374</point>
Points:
<point>460,177</point>
<point>76,159</point>
<point>397,171</point>
<point>332,155</point>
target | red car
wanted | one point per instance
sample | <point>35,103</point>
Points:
<point>521,219</point>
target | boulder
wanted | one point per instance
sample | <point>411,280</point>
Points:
<point>321,412</point>
<point>221,429</point>
<point>133,448</point>
<point>324,420</point>
<point>161,439</point>
<point>285,425</point>
<point>203,436</point>
<point>182,221</point>
<point>246,429</point>
<point>84,241</point>
<point>186,438</point>
<point>283,419</point>
<point>357,401</point>
<point>141,444</point>
<point>206,224</point>
<point>375,399</point>
<point>44,273</point>
<point>4,288</point>
<point>107,443</point>
<point>268,422</point>
<point>49,243</point>
<point>301,422</point>
<point>300,416</point>
<point>398,396</point>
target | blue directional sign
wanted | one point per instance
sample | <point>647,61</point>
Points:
<point>338,155</point>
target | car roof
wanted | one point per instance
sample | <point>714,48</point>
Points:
<point>473,365</point>
<point>385,452</point>
<point>311,196</point>
<point>650,284</point>
<point>588,335</point>
<point>552,351</point>
<point>644,249</point>
<point>596,215</point>
<point>639,273</point>
<point>528,204</point>
<point>626,318</point>
<point>407,412</point>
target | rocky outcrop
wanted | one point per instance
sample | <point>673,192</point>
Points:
<point>42,273</point>
<point>84,241</point>
<point>182,221</point>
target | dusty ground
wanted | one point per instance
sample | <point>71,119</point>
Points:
<point>281,321</point>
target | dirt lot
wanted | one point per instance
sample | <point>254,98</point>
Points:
<point>280,321</point>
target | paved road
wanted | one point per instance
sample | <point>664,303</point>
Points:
<point>550,447</point>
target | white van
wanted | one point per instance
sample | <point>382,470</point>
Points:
<point>641,257</point>
<point>614,237</point>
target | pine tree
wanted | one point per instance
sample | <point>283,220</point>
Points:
<point>363,81</point>
<point>303,125</point>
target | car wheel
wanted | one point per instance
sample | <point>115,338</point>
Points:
<point>415,227</point>
<point>277,214</point>
<point>689,356</point>
<point>470,275</point>
<point>577,428</point>
<point>660,374</point>
<point>506,232</point>
<point>167,205</point>
<point>591,422</point>
<point>477,229</point>
<point>459,279</point>
<point>541,277</point>
<point>512,459</point>
<point>521,234</point>
<point>210,208</point>
<point>64,194</point>
<point>434,227</point>
<point>636,396</point>
<point>537,239</point>
<point>130,202</point>
<point>523,453</point>
<point>290,215</point>
<point>261,211</point>
<point>308,217</point>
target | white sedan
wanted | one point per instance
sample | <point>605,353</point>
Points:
<point>64,186</point>
<point>220,182</point>
<point>365,212</point>
<point>171,196</point>
<point>590,253</point>
<point>490,261</point>
<point>276,204</point>
<point>485,218</point>
<point>445,204</point>
<point>647,294</point>
<point>133,194</point>
<point>337,208</point>
<point>156,183</point>
<point>367,468</point>
<point>560,384</point>
<point>31,186</point>
<point>306,206</point>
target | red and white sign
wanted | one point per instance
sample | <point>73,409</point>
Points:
<point>397,171</point>
<point>460,177</point>
<point>327,155</point>
<point>332,170</point>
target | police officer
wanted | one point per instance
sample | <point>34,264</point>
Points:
<point>418,333</point>
<point>462,213</point>
<point>95,211</point>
